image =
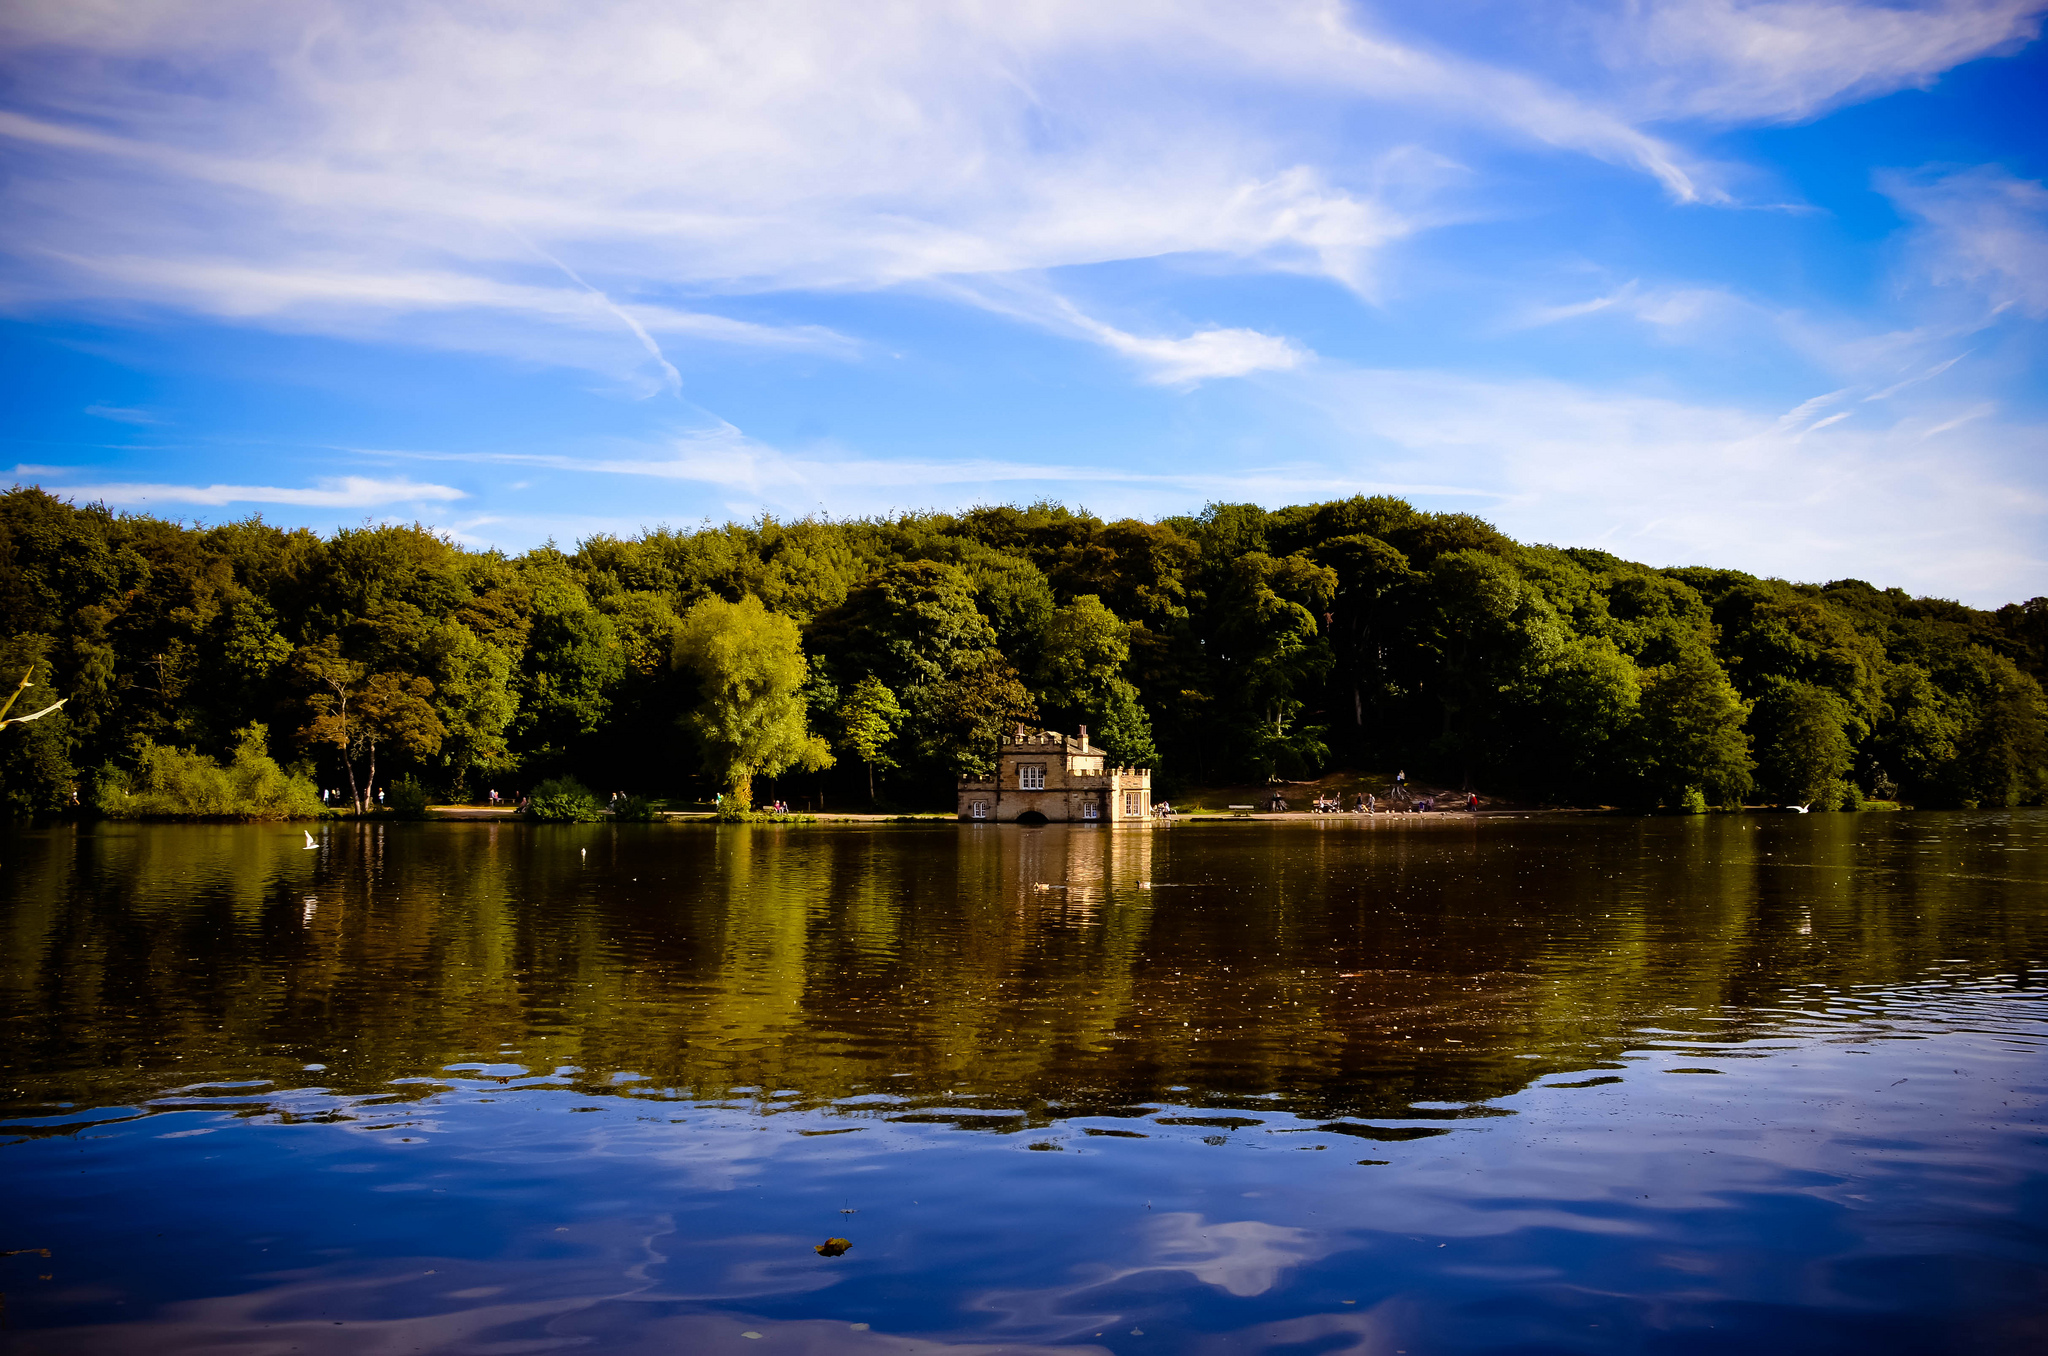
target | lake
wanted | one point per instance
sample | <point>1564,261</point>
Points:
<point>1573,1084</point>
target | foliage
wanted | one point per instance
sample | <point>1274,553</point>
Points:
<point>1802,749</point>
<point>358,712</point>
<point>174,783</point>
<point>472,698</point>
<point>36,775</point>
<point>408,799</point>
<point>963,718</point>
<point>731,813</point>
<point>869,720</point>
<point>1081,651</point>
<point>1231,645</point>
<point>1122,728</point>
<point>563,800</point>
<point>634,810</point>
<point>1691,732</point>
<point>752,720</point>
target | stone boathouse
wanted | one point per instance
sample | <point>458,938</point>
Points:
<point>1046,778</point>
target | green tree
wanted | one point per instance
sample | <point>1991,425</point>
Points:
<point>356,714</point>
<point>869,719</point>
<point>1488,629</point>
<point>36,775</point>
<point>473,698</point>
<point>1969,728</point>
<point>572,660</point>
<point>1372,578</point>
<point>750,667</point>
<point>1802,750</point>
<point>1564,724</point>
<point>1266,650</point>
<point>961,719</point>
<point>1772,633</point>
<point>1122,728</point>
<point>910,625</point>
<point>1691,731</point>
<point>1082,650</point>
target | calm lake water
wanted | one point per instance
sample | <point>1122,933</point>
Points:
<point>1738,1084</point>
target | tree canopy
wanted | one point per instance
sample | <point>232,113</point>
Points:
<point>751,719</point>
<point>1237,643</point>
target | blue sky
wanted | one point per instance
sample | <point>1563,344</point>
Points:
<point>1697,281</point>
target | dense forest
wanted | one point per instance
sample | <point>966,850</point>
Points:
<point>823,657</point>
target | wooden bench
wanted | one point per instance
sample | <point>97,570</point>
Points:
<point>1241,811</point>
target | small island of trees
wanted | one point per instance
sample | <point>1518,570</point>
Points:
<point>234,670</point>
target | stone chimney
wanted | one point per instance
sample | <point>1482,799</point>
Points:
<point>1020,732</point>
<point>1084,739</point>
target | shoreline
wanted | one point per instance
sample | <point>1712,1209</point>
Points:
<point>484,814</point>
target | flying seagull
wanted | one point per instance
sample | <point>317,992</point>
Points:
<point>1798,809</point>
<point>310,844</point>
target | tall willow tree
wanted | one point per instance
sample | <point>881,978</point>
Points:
<point>750,667</point>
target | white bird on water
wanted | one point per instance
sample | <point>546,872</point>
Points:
<point>310,844</point>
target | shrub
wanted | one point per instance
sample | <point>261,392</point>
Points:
<point>634,810</point>
<point>408,799</point>
<point>173,783</point>
<point>1693,802</point>
<point>563,800</point>
<point>731,813</point>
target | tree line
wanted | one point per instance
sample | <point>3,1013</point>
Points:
<point>883,658</point>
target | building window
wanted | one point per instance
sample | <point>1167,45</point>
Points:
<point>979,809</point>
<point>1031,776</point>
<point>1131,799</point>
<point>1088,810</point>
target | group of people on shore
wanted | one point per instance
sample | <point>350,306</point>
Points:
<point>1365,802</point>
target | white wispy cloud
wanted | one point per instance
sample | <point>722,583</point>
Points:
<point>306,164</point>
<point>123,414</point>
<point>318,164</point>
<point>1781,60</point>
<point>1917,499</point>
<point>334,492</point>
<point>724,458</point>
<point>1202,354</point>
<point>1667,307</point>
<point>1981,227</point>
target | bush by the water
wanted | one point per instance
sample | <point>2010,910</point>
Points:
<point>730,812</point>
<point>563,800</point>
<point>173,783</point>
<point>408,799</point>
<point>634,810</point>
